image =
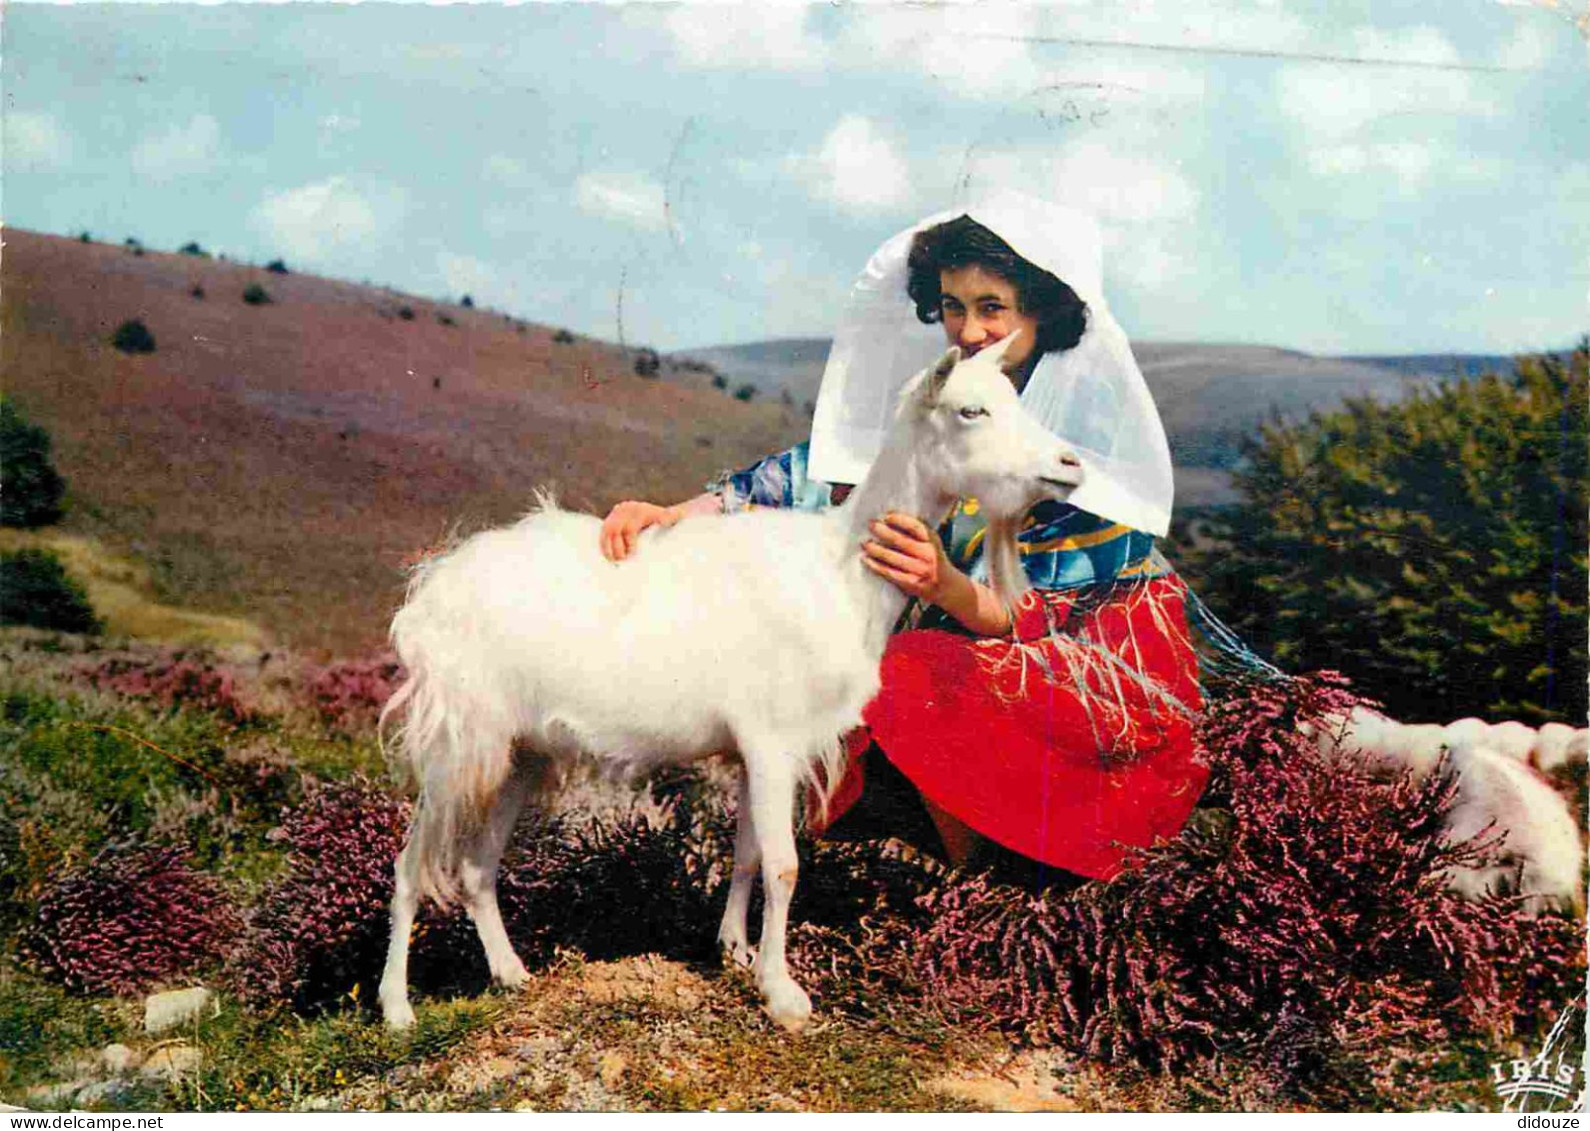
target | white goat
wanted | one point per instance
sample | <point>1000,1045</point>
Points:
<point>756,633</point>
<point>1499,786</point>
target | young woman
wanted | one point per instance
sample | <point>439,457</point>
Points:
<point>1060,729</point>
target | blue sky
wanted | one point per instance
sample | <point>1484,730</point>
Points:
<point>1342,177</point>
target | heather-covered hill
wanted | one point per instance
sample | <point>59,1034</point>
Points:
<point>281,460</point>
<point>1209,395</point>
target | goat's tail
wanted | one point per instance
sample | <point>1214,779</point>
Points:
<point>454,746</point>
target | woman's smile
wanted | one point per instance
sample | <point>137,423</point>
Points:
<point>980,308</point>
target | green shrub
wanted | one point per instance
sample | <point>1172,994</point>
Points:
<point>33,488</point>
<point>36,590</point>
<point>1434,549</point>
<point>132,336</point>
<point>255,295</point>
<point>406,313</point>
<point>719,381</point>
<point>276,267</point>
<point>745,392</point>
<point>467,302</point>
<point>647,363</point>
<point>445,319</point>
<point>562,337</point>
<point>197,291</point>
<point>192,248</point>
<point>84,237</point>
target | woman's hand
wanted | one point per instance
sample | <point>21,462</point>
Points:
<point>624,523</point>
<point>905,553</point>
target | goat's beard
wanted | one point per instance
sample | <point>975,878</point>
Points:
<point>1005,571</point>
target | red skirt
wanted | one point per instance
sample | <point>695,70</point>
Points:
<point>1071,746</point>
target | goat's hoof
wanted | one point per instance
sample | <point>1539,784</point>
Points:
<point>788,1006</point>
<point>739,953</point>
<point>399,1016</point>
<point>513,978</point>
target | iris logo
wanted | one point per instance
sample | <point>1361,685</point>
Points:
<point>1551,1081</point>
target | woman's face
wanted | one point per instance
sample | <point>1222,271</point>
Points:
<point>979,308</point>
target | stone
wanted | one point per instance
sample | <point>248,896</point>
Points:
<point>172,1062</point>
<point>610,1066</point>
<point>178,1007</point>
<point>117,1059</point>
<point>104,1092</point>
<point>55,1093</point>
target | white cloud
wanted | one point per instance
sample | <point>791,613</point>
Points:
<point>856,168</point>
<point>179,150</point>
<point>311,221</point>
<point>1242,25</point>
<point>34,140</point>
<point>1332,101</point>
<point>631,198</point>
<point>1144,203</point>
<point>1409,163</point>
<point>978,51</point>
<point>1527,49</point>
<point>1120,186</point>
<point>742,36</point>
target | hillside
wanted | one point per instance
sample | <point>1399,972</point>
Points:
<point>282,461</point>
<point>1209,396</point>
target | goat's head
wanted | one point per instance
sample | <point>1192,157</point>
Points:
<point>974,438</point>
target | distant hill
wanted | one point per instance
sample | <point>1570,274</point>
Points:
<point>281,461</point>
<point>1209,396</point>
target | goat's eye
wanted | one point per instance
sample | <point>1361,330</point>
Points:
<point>972,412</point>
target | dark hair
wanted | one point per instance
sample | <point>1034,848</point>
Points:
<point>963,242</point>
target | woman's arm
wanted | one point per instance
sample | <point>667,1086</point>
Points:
<point>625,521</point>
<point>904,552</point>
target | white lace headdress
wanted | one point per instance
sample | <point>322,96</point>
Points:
<point>1092,396</point>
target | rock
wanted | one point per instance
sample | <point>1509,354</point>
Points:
<point>55,1093</point>
<point>178,1007</point>
<point>610,1066</point>
<point>1027,1082</point>
<point>172,1062</point>
<point>117,1059</point>
<point>106,1091</point>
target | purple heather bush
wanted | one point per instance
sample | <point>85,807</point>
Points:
<point>349,695</point>
<point>133,917</point>
<point>321,928</point>
<point>175,681</point>
<point>1300,921</point>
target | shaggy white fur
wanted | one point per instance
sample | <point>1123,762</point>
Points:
<point>757,634</point>
<point>1499,787</point>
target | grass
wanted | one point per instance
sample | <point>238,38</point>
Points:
<point>123,594</point>
<point>81,766</point>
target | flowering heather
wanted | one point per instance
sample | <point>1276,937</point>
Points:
<point>133,917</point>
<point>349,696</point>
<point>321,928</point>
<point>1302,926</point>
<point>179,681</point>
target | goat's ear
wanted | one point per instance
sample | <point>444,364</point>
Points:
<point>996,352</point>
<point>940,373</point>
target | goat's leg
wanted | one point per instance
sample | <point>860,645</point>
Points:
<point>771,784</point>
<point>478,879</point>
<point>732,934</point>
<point>394,991</point>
